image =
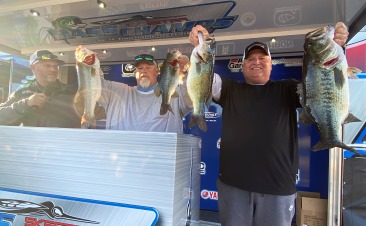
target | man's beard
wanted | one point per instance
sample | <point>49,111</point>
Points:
<point>144,82</point>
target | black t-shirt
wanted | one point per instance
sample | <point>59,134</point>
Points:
<point>259,149</point>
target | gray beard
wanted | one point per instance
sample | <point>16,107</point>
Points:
<point>144,82</point>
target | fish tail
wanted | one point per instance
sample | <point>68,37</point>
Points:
<point>351,118</point>
<point>164,109</point>
<point>88,123</point>
<point>197,120</point>
<point>305,118</point>
<point>321,145</point>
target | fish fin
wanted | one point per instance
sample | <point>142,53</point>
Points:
<point>187,100</point>
<point>201,37</point>
<point>338,78</point>
<point>351,72</point>
<point>322,145</point>
<point>101,73</point>
<point>79,103</point>
<point>175,94</point>
<point>99,112</point>
<point>351,118</point>
<point>300,91</point>
<point>157,90</point>
<point>305,118</point>
<point>208,102</point>
<point>88,123</point>
<point>100,100</point>
<point>94,71</point>
<point>200,121</point>
<point>164,109</point>
<point>181,78</point>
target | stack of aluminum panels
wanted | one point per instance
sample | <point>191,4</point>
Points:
<point>157,173</point>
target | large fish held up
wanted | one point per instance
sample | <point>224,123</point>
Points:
<point>89,84</point>
<point>200,78</point>
<point>324,93</point>
<point>169,80</point>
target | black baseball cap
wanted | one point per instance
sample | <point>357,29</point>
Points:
<point>256,45</point>
<point>44,55</point>
<point>145,58</point>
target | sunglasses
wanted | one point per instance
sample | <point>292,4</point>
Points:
<point>144,57</point>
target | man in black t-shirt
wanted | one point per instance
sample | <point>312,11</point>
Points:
<point>259,150</point>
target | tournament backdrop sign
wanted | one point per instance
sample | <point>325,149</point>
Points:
<point>167,23</point>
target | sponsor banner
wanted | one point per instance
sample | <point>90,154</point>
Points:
<point>148,25</point>
<point>36,209</point>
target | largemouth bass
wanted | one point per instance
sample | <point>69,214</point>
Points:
<point>169,80</point>
<point>89,84</point>
<point>199,81</point>
<point>324,93</point>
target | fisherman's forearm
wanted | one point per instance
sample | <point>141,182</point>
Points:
<point>13,113</point>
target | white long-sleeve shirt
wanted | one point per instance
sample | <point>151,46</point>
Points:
<point>130,109</point>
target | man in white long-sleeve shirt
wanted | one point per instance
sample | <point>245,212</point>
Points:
<point>137,108</point>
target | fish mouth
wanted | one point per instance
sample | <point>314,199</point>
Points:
<point>84,55</point>
<point>320,33</point>
<point>89,59</point>
<point>173,63</point>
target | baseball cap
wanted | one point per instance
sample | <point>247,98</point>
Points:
<point>256,45</point>
<point>145,58</point>
<point>44,55</point>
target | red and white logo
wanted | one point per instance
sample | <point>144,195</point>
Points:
<point>205,194</point>
<point>235,64</point>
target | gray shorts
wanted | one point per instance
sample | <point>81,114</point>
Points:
<point>238,207</point>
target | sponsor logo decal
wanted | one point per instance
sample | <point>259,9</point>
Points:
<point>248,19</point>
<point>205,194</point>
<point>9,208</point>
<point>211,116</point>
<point>287,16</point>
<point>288,62</point>
<point>225,49</point>
<point>154,4</point>
<point>203,168</point>
<point>281,44</point>
<point>128,70</point>
<point>235,64</point>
